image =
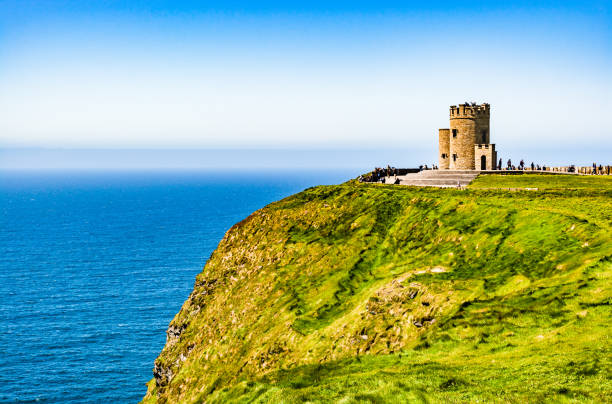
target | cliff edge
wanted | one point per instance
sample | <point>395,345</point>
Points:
<point>374,293</point>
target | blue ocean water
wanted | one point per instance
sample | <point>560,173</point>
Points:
<point>93,266</point>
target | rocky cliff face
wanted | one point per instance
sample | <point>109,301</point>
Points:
<point>329,284</point>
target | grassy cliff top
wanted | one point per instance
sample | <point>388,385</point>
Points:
<point>378,293</point>
<point>544,182</point>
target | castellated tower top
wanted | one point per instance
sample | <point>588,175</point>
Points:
<point>470,110</point>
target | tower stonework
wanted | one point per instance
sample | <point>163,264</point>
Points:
<point>485,156</point>
<point>458,146</point>
<point>444,146</point>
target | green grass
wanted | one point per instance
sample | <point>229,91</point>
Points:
<point>544,181</point>
<point>380,293</point>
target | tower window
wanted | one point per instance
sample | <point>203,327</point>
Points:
<point>443,155</point>
<point>454,157</point>
<point>454,132</point>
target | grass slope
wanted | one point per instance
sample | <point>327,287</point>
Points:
<point>379,293</point>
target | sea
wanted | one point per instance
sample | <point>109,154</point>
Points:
<point>94,265</point>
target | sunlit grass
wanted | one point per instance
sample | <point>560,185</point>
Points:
<point>544,181</point>
<point>381,293</point>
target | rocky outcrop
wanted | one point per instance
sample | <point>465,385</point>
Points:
<point>174,333</point>
<point>162,374</point>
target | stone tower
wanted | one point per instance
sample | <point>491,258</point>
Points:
<point>466,145</point>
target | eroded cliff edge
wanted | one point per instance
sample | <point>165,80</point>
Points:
<point>356,290</point>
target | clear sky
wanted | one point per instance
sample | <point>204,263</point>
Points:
<point>360,75</point>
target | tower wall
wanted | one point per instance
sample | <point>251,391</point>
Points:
<point>444,149</point>
<point>485,153</point>
<point>462,139</point>
<point>483,136</point>
<point>469,125</point>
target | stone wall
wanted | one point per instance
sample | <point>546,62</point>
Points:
<point>444,149</point>
<point>605,170</point>
<point>462,140</point>
<point>483,135</point>
<point>486,151</point>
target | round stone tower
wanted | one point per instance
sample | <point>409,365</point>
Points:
<point>469,125</point>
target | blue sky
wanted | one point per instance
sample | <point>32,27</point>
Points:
<point>352,75</point>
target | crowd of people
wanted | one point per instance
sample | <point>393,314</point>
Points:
<point>601,170</point>
<point>521,165</point>
<point>384,174</point>
<point>596,169</point>
<point>380,175</point>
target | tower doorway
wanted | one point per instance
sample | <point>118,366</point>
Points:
<point>483,162</point>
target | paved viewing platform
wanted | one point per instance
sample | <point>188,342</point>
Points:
<point>437,178</point>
